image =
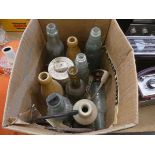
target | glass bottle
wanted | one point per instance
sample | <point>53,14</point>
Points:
<point>49,85</point>
<point>58,104</point>
<point>82,66</point>
<point>93,49</point>
<point>99,100</point>
<point>75,87</point>
<point>73,48</point>
<point>54,45</point>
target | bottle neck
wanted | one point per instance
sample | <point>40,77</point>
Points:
<point>53,39</point>
<point>81,61</point>
<point>85,109</point>
<point>44,78</point>
<point>72,42</point>
<point>55,103</point>
<point>94,39</point>
<point>75,82</point>
<point>74,79</point>
<point>95,36</point>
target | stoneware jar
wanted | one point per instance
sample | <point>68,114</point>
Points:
<point>87,112</point>
<point>73,48</point>
<point>58,68</point>
<point>48,85</point>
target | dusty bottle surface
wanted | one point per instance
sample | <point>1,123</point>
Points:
<point>82,66</point>
<point>99,100</point>
<point>54,45</point>
<point>75,87</point>
<point>73,48</point>
<point>93,49</point>
<point>58,104</point>
<point>48,85</point>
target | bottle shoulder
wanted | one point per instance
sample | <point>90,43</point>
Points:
<point>80,89</point>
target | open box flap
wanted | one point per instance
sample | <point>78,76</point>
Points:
<point>122,56</point>
<point>146,121</point>
<point>23,71</point>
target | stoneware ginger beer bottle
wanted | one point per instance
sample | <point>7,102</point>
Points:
<point>73,48</point>
<point>49,85</point>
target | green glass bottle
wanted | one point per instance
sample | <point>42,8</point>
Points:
<point>93,49</point>
<point>54,45</point>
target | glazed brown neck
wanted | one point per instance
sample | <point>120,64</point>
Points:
<point>44,78</point>
<point>74,79</point>
<point>75,82</point>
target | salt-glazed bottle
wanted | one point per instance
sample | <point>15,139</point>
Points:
<point>75,87</point>
<point>58,104</point>
<point>54,45</point>
<point>82,66</point>
<point>87,112</point>
<point>93,48</point>
<point>49,85</point>
<point>73,48</point>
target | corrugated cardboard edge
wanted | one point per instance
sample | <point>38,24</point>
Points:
<point>9,84</point>
<point>136,121</point>
<point>37,130</point>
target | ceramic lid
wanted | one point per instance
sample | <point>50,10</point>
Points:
<point>58,68</point>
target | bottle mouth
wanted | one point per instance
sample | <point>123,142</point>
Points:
<point>72,71</point>
<point>43,76</point>
<point>53,100</point>
<point>95,32</point>
<point>51,29</point>
<point>7,49</point>
<point>85,109</point>
<point>72,40</point>
<point>81,57</point>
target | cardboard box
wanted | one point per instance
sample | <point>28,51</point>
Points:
<point>14,25</point>
<point>146,122</point>
<point>121,88</point>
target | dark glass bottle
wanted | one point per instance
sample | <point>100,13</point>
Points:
<point>54,45</point>
<point>93,49</point>
<point>75,87</point>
